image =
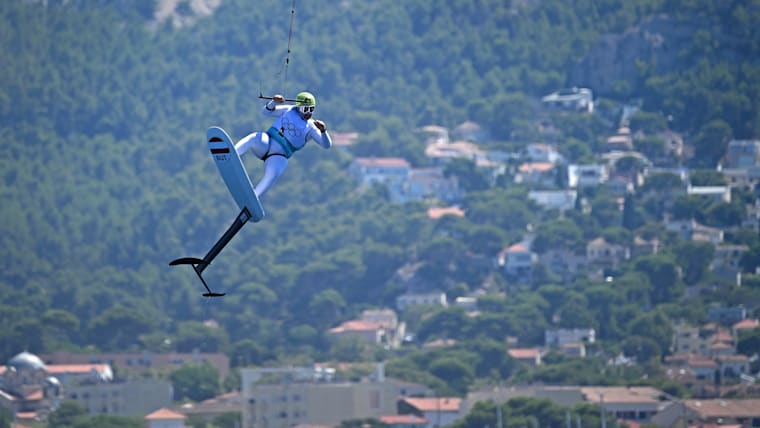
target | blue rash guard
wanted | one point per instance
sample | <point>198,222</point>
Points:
<point>291,131</point>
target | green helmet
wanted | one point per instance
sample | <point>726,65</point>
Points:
<point>305,99</point>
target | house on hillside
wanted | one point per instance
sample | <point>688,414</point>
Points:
<point>435,134</point>
<point>726,260</point>
<point>742,178</point>
<point>528,356</point>
<point>431,183</point>
<point>537,174</point>
<point>441,154</point>
<point>603,254</point>
<point>586,176</point>
<point>408,300</point>
<point>470,131</point>
<point>375,326</point>
<point>517,261</point>
<point>576,99</point>
<point>389,172</point>
<point>560,200</point>
<point>557,337</point>
<point>743,153</point>
<point>643,246</point>
<point>690,230</point>
<point>620,142</point>
<point>538,152</point>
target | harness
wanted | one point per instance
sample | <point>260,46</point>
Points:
<point>286,145</point>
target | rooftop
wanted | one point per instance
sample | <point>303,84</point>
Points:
<point>434,404</point>
<point>725,408</point>
<point>613,394</point>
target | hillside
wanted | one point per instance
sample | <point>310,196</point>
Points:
<point>105,176</point>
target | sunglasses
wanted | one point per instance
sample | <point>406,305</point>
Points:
<point>306,109</point>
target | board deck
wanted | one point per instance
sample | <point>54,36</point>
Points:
<point>233,172</point>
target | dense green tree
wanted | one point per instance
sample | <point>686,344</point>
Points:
<point>556,234</point>
<point>457,374</point>
<point>632,218</point>
<point>450,323</point>
<point>65,414</point>
<point>196,382</point>
<point>6,418</point>
<point>663,274</point>
<point>711,142</point>
<point>749,342</point>
<point>108,421</point>
<point>641,348</point>
<point>655,326</point>
<point>694,259</point>
<point>118,328</point>
<point>651,146</point>
<point>196,336</point>
<point>326,308</point>
<point>750,259</point>
<point>706,177</point>
<point>648,122</point>
<point>469,176</point>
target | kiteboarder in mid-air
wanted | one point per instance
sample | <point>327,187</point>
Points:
<point>290,132</point>
<point>292,129</point>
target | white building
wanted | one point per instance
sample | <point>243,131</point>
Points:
<point>715,193</point>
<point>574,98</point>
<point>561,200</point>
<point>390,172</point>
<point>561,336</point>
<point>407,300</point>
<point>582,176</point>
<point>290,396</point>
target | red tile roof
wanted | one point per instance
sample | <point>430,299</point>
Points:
<point>536,167</point>
<point>357,326</point>
<point>524,352</point>
<point>403,419</point>
<point>75,368</point>
<point>164,414</point>
<point>437,212</point>
<point>747,324</point>
<point>517,248</point>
